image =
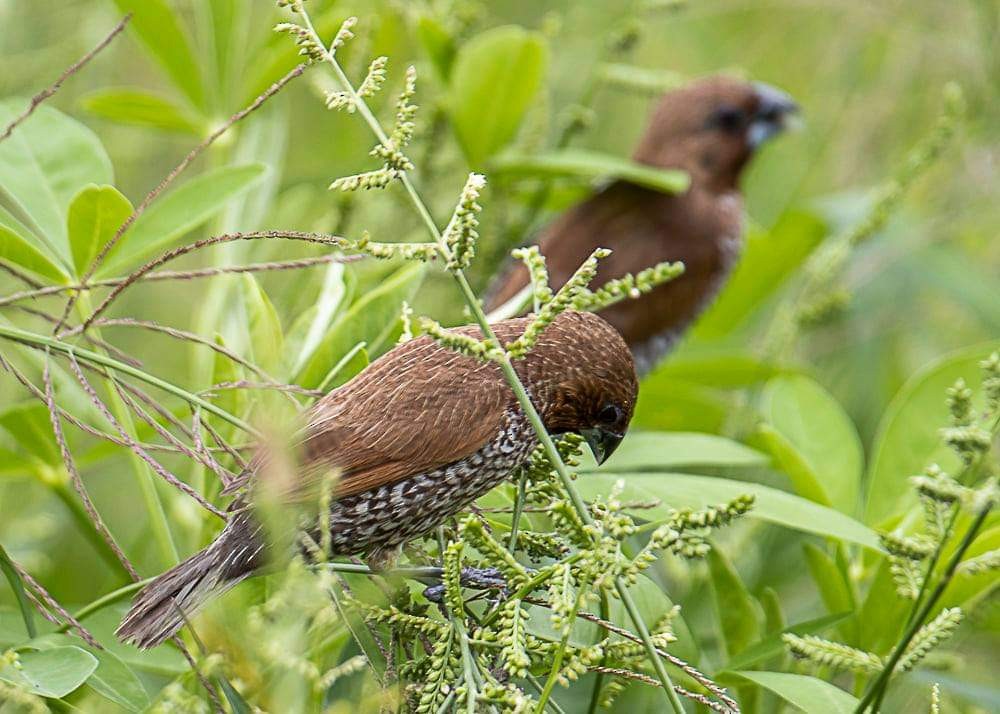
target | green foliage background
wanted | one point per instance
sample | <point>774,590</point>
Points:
<point>842,419</point>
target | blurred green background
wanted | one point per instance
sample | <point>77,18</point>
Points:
<point>868,76</point>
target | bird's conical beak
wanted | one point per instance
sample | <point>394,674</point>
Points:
<point>601,442</point>
<point>776,112</point>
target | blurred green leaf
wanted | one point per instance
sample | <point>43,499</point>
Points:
<point>308,329</point>
<point>880,619</point>
<point>580,163</point>
<point>673,405</point>
<point>17,586</point>
<point>724,369</point>
<point>774,616</point>
<point>368,320</point>
<point>640,79</point>
<point>809,694</point>
<point>833,587</point>
<point>739,621</point>
<point>95,215</point>
<point>967,590</point>
<point>438,44</point>
<point>769,258</point>
<point>908,437</point>
<point>53,672</point>
<point>226,370</point>
<point>663,451</point>
<point>349,365</point>
<point>676,490</point>
<point>44,164</point>
<point>818,430</point>
<point>235,699</point>
<point>137,106</point>
<point>787,458</point>
<point>29,424</point>
<point>20,246</point>
<point>180,211</point>
<point>773,645</point>
<point>493,83</point>
<point>160,29</point>
<point>263,326</point>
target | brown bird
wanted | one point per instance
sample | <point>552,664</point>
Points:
<point>710,129</point>
<point>416,437</point>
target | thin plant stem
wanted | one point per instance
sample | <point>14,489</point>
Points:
<point>506,367</point>
<point>515,520</point>
<point>877,690</point>
<point>107,600</point>
<point>550,683</point>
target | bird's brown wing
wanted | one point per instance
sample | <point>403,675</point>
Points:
<point>417,408</point>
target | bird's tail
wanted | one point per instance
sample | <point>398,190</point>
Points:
<point>161,607</point>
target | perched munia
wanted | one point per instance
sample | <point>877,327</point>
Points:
<point>416,437</point>
<point>709,129</point>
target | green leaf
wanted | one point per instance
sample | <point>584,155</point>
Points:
<point>676,490</point>
<point>591,165</point>
<point>180,211</point>
<point>438,44</point>
<point>130,105</point>
<point>663,451</point>
<point>640,79</point>
<point>43,164</point>
<point>833,588</point>
<point>809,694</point>
<point>738,618</point>
<point>113,679</point>
<point>53,672</point>
<point>908,437</point>
<point>235,699</point>
<point>713,368</point>
<point>95,215</point>
<point>804,480</point>
<point>368,320</point>
<point>817,429</point>
<point>160,30</point>
<point>767,261</point>
<point>28,423</point>
<point>773,645</point>
<point>263,326</point>
<point>226,370</point>
<point>308,329</point>
<point>494,80</point>
<point>18,245</point>
<point>680,406</point>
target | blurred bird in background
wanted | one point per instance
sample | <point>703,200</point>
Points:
<point>710,129</point>
<point>416,437</point>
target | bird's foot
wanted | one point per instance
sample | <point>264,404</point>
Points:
<point>476,578</point>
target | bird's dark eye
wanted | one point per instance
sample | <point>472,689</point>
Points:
<point>609,414</point>
<point>728,119</point>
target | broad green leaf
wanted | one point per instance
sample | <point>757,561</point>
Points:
<point>592,165</point>
<point>438,44</point>
<point>809,694</point>
<point>774,616</point>
<point>130,105</point>
<point>908,437</point>
<point>113,679</point>
<point>368,320</point>
<point>818,430</point>
<point>768,259</point>
<point>263,326</point>
<point>160,29</point>
<point>22,249</point>
<point>494,80</point>
<point>663,451</point>
<point>51,673</point>
<point>95,215</point>
<point>880,619</point>
<point>773,645</point>
<point>235,699</point>
<point>43,164</point>
<point>676,490</point>
<point>180,211</point>
<point>738,618</point>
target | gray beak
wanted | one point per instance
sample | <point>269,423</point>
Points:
<point>602,443</point>
<point>774,110</point>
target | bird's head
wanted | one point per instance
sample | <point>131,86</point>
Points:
<point>582,377</point>
<point>711,127</point>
